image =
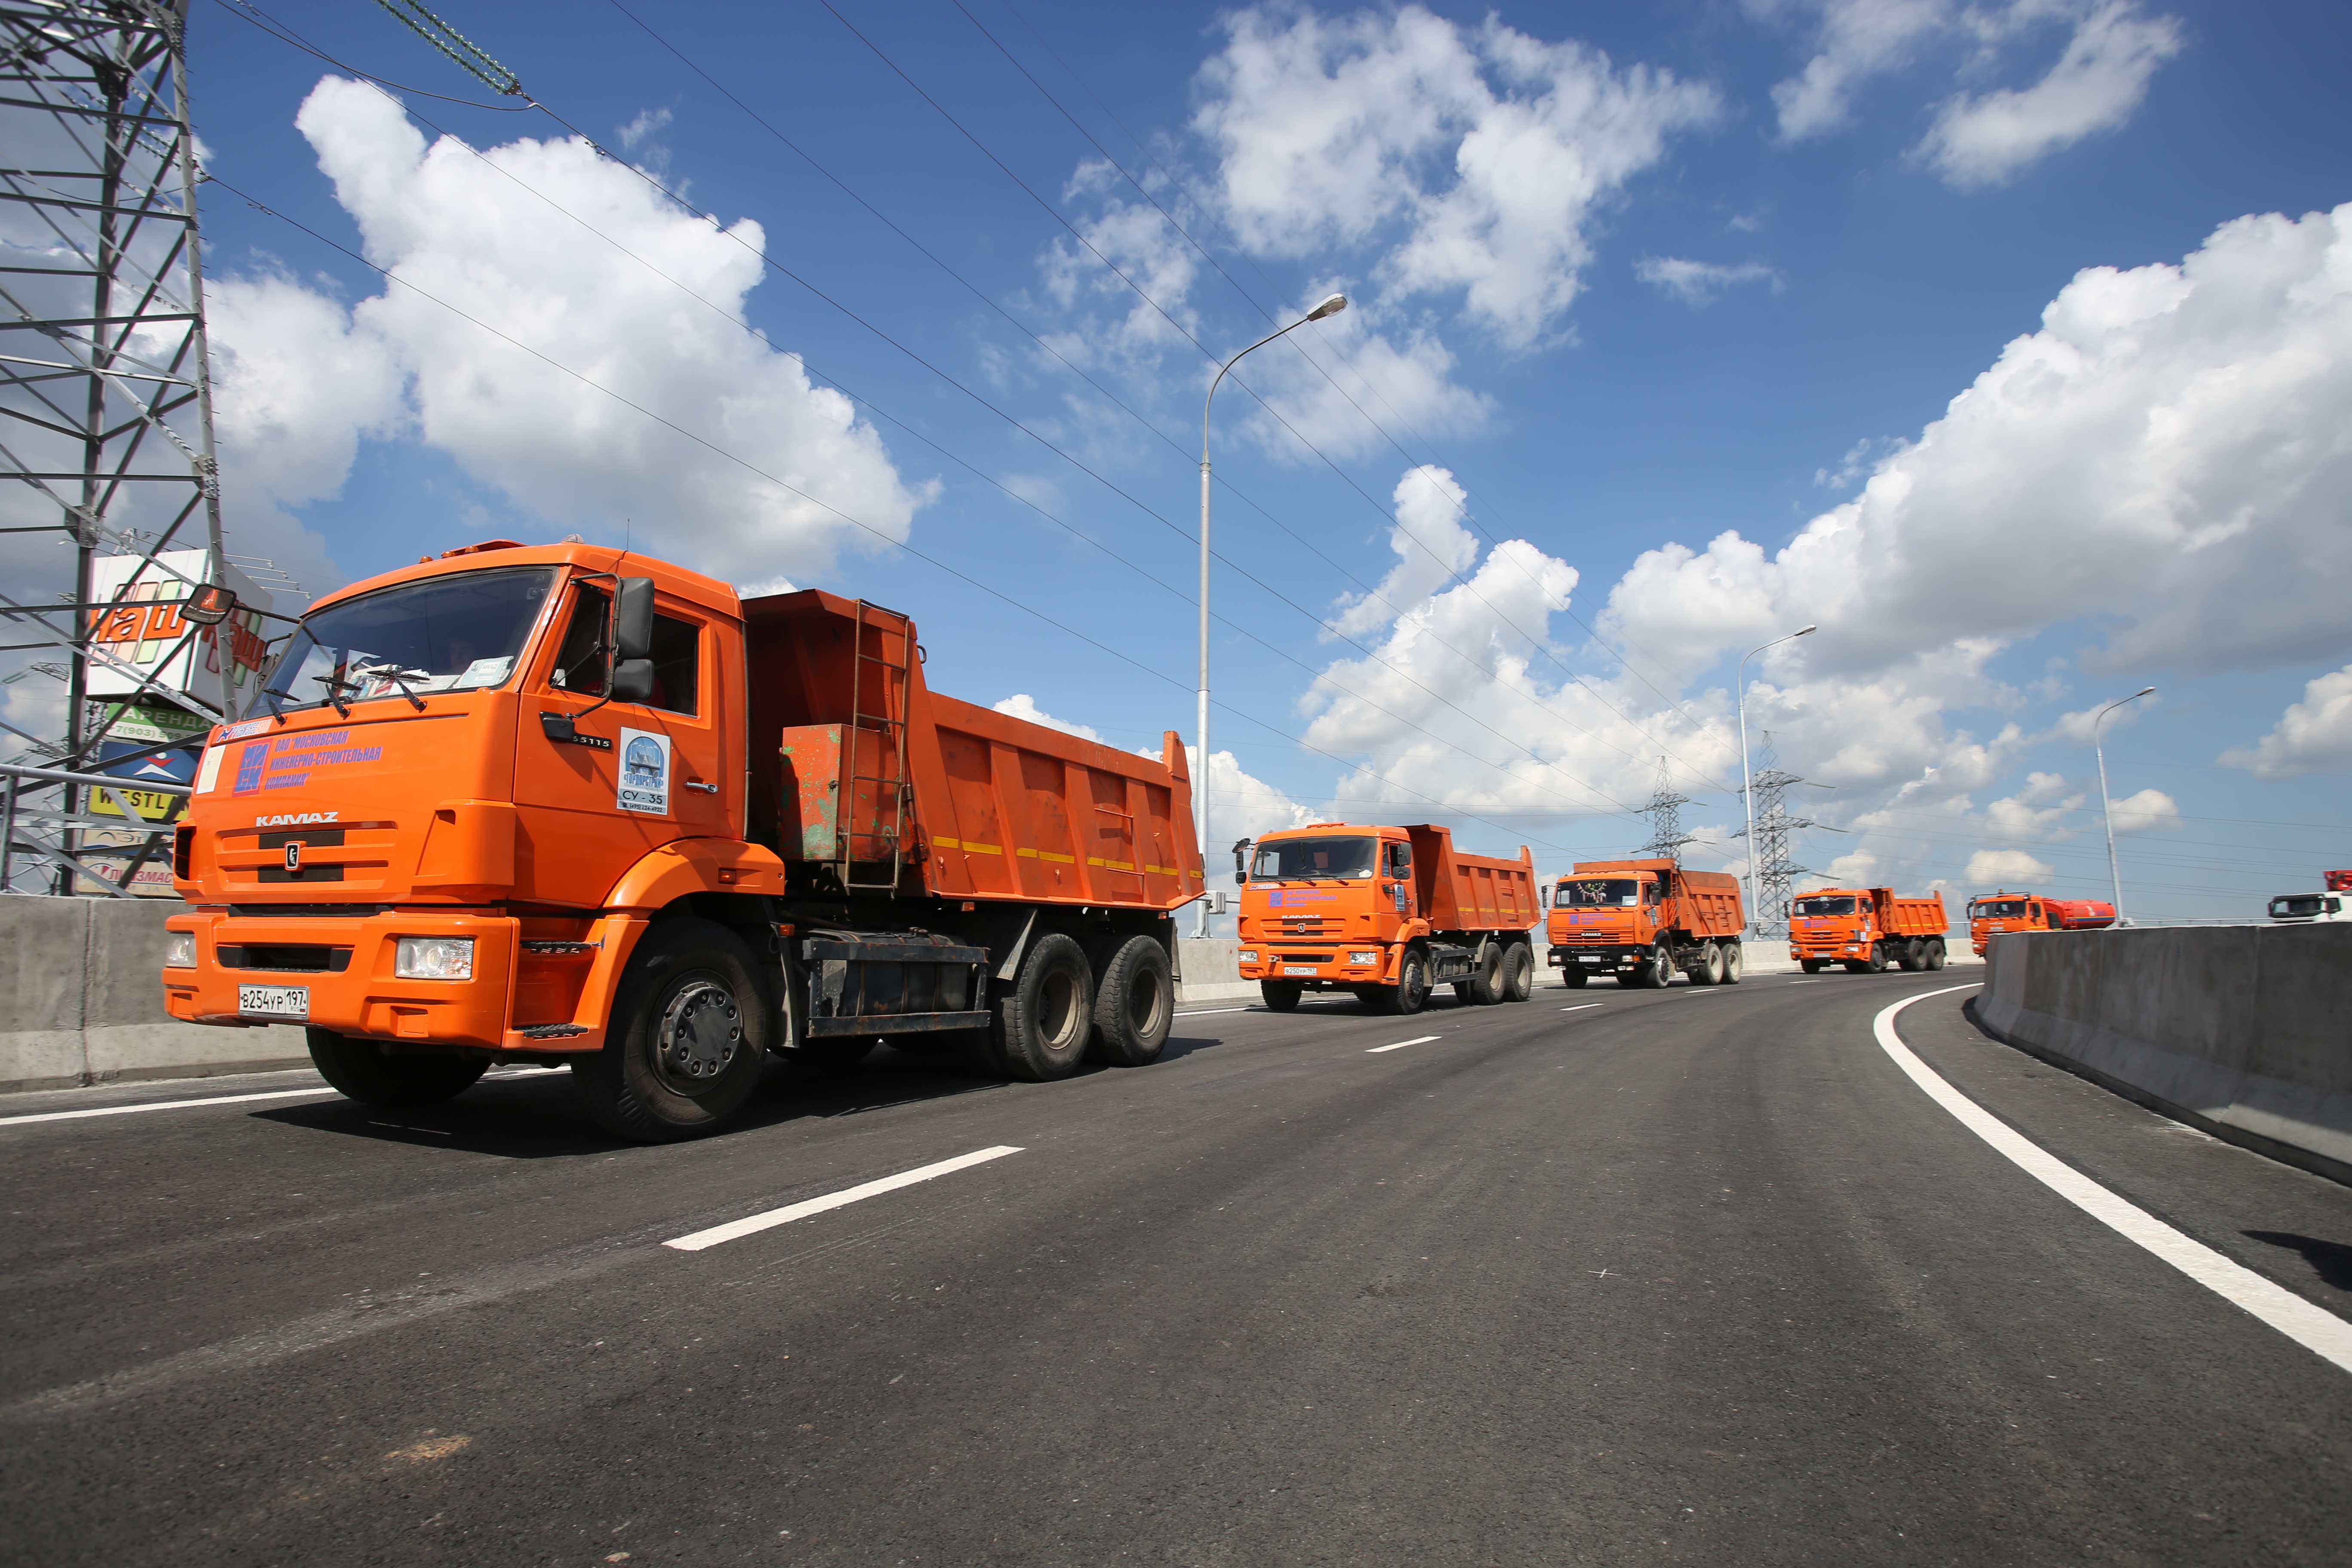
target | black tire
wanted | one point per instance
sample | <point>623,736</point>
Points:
<point>1710,966</point>
<point>1373,997</point>
<point>360,1071</point>
<point>1487,985</point>
<point>1135,1004</point>
<point>1854,965</point>
<point>1810,965</point>
<point>1936,953</point>
<point>691,1026</point>
<point>1658,973</point>
<point>1876,963</point>
<point>1409,995</point>
<point>1281,996</point>
<point>1914,956</point>
<point>1572,978</point>
<point>1519,973</point>
<point>1045,1021</point>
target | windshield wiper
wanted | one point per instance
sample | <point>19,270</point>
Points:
<point>336,686</point>
<point>399,677</point>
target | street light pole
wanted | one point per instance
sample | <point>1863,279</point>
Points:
<point>1747,786</point>
<point>1330,306</point>
<point>2107,814</point>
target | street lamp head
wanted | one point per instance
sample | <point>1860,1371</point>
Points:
<point>1803,631</point>
<point>2143,691</point>
<point>1330,306</point>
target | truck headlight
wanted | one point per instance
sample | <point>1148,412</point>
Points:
<point>433,958</point>
<point>1249,955</point>
<point>179,950</point>
<point>1363,958</point>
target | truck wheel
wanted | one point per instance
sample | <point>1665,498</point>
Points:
<point>1134,1006</point>
<point>1913,957</point>
<point>1281,996</point>
<point>1573,979</point>
<point>1044,1023</point>
<point>1810,965</point>
<point>1411,993</point>
<point>1876,963</point>
<point>1710,966</point>
<point>1735,964</point>
<point>1485,987</point>
<point>689,1034</point>
<point>1659,972</point>
<point>1519,973</point>
<point>360,1071</point>
<point>1936,953</point>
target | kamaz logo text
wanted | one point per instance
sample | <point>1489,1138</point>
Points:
<point>297,819</point>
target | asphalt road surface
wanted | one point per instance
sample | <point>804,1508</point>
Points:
<point>1694,1276</point>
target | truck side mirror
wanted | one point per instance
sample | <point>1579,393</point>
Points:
<point>1241,860</point>
<point>632,680</point>
<point>633,618</point>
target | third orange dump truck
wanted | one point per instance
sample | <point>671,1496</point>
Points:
<point>568,806</point>
<point>1641,921</point>
<point>1386,913</point>
<point>1866,928</point>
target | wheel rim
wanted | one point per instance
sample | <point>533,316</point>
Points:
<point>1143,1006</point>
<point>1058,1007</point>
<point>701,1036</point>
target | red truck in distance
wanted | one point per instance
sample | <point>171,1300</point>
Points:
<point>1866,928</point>
<point>1994,913</point>
<point>1640,921</point>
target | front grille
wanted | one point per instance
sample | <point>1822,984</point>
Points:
<point>309,911</point>
<point>285,958</point>
<point>1278,957</point>
<point>305,874</point>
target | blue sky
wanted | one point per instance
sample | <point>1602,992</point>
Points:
<point>1659,289</point>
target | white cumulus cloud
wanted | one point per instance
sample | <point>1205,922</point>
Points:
<point>2095,85</point>
<point>2313,736</point>
<point>2005,869</point>
<point>1698,282</point>
<point>303,382</point>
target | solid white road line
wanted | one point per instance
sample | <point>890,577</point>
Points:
<point>1198,1011</point>
<point>1580,1006</point>
<point>1804,982</point>
<point>2316,1330</point>
<point>1400,1044</point>
<point>162,1105</point>
<point>790,1212</point>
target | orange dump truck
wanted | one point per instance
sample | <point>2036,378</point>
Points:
<point>1386,913</point>
<point>1642,920</point>
<point>1866,928</point>
<point>513,806</point>
<point>2004,911</point>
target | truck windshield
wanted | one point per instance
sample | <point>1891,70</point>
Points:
<point>1999,910</point>
<point>445,633</point>
<point>1305,860</point>
<point>1598,893</point>
<point>1821,907</point>
<point>2298,904</point>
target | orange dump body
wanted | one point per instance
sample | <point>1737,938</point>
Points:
<point>790,749</point>
<point>1340,903</point>
<point>1844,923</point>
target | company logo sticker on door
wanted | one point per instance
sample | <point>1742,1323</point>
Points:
<point>645,773</point>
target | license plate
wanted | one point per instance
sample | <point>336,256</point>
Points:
<point>274,1001</point>
<point>1298,969</point>
<point>1589,959</point>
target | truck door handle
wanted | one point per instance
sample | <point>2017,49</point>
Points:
<point>697,784</point>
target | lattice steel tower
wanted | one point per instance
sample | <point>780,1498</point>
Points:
<point>1664,810</point>
<point>1774,870</point>
<point>105,405</point>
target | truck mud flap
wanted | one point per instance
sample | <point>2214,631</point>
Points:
<point>900,985</point>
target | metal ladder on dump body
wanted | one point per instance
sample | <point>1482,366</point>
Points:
<point>885,733</point>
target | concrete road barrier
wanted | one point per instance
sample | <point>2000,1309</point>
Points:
<point>81,1001</point>
<point>2242,1031</point>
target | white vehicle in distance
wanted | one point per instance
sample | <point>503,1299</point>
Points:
<point>2303,908</point>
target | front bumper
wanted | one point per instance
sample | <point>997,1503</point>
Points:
<point>1596,958</point>
<point>1320,963</point>
<point>516,1000</point>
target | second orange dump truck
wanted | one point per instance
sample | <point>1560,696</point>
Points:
<point>1641,921</point>
<point>1866,928</point>
<point>1386,913</point>
<point>563,805</point>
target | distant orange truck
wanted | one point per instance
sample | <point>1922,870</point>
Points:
<point>2005,912</point>
<point>1385,913</point>
<point>564,805</point>
<point>1641,921</point>
<point>1866,928</point>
